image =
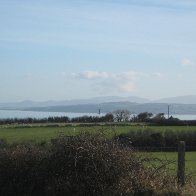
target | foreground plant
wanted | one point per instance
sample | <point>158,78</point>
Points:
<point>82,165</point>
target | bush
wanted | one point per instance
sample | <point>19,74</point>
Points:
<point>81,165</point>
<point>167,138</point>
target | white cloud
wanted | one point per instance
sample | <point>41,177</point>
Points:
<point>127,87</point>
<point>187,63</point>
<point>122,82</point>
<point>92,75</point>
<point>131,75</point>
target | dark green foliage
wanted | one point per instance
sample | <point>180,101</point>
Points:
<point>149,137</point>
<point>144,116</point>
<point>64,119</point>
<point>3,143</point>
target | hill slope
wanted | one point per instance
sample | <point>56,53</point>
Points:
<point>134,108</point>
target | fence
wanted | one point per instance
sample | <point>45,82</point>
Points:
<point>178,154</point>
<point>164,149</point>
<point>181,163</point>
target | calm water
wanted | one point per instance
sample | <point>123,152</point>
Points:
<point>184,116</point>
<point>33,114</point>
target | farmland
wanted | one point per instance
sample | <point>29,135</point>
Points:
<point>172,158</point>
<point>45,132</point>
<point>38,133</point>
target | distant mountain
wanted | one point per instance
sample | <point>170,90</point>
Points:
<point>178,105</point>
<point>133,99</point>
<point>134,108</point>
<point>96,100</point>
<point>84,108</point>
<point>22,104</point>
<point>189,99</point>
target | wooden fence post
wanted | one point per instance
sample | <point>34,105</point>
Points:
<point>181,163</point>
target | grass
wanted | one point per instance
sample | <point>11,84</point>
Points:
<point>38,134</point>
<point>88,164</point>
<point>190,161</point>
<point>45,132</point>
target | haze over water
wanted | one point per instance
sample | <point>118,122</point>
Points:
<point>33,114</point>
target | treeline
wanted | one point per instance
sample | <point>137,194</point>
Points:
<point>160,120</point>
<point>116,116</point>
<point>63,119</point>
<point>33,120</point>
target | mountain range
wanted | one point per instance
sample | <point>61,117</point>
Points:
<point>96,100</point>
<point>190,99</point>
<point>177,105</point>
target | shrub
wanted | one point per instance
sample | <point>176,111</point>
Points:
<point>156,139</point>
<point>81,165</point>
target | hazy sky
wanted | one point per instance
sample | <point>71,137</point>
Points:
<point>64,49</point>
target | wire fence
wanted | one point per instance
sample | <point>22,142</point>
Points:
<point>163,149</point>
<point>181,161</point>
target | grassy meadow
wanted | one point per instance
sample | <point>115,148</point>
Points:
<point>172,159</point>
<point>45,132</point>
<point>34,133</point>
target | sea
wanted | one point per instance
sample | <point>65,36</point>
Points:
<point>4,114</point>
<point>35,114</point>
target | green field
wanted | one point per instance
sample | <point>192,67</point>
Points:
<point>172,157</point>
<point>36,134</point>
<point>45,132</point>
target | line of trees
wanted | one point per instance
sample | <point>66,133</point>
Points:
<point>116,116</point>
<point>64,119</point>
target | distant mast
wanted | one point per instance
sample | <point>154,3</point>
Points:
<point>99,112</point>
<point>168,110</point>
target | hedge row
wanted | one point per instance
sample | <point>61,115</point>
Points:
<point>151,138</point>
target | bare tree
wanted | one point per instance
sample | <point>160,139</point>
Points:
<point>121,115</point>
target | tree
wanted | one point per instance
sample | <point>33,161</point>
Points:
<point>121,115</point>
<point>145,116</point>
<point>109,117</point>
<point>160,116</point>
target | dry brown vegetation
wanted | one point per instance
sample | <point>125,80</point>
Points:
<point>82,165</point>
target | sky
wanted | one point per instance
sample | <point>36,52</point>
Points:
<point>75,49</point>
